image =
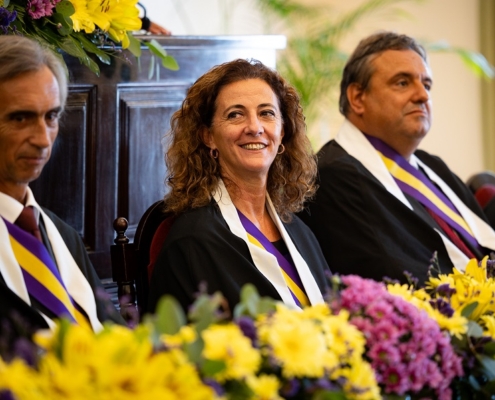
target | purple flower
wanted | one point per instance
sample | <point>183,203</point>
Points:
<point>40,8</point>
<point>6,18</point>
<point>6,394</point>
<point>406,348</point>
<point>219,390</point>
<point>248,328</point>
<point>290,388</point>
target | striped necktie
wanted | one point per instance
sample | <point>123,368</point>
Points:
<point>287,267</point>
<point>41,275</point>
<point>416,184</point>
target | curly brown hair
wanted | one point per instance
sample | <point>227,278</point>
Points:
<point>193,174</point>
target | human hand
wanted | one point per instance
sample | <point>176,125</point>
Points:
<point>156,29</point>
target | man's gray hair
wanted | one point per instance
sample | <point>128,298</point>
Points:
<point>358,68</point>
<point>19,55</point>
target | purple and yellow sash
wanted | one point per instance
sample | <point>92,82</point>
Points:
<point>413,182</point>
<point>41,276</point>
<point>287,267</point>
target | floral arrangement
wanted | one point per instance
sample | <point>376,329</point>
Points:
<point>408,352</point>
<point>80,27</point>
<point>368,340</point>
<point>263,353</point>
<point>463,305</point>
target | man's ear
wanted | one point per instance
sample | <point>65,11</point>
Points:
<point>355,95</point>
<point>206,137</point>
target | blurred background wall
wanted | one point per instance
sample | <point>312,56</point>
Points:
<point>456,134</point>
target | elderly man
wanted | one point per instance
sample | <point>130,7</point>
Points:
<point>45,272</point>
<point>384,207</point>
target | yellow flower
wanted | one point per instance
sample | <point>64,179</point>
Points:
<point>82,19</point>
<point>264,387</point>
<point>186,334</point>
<point>361,383</point>
<point>21,380</point>
<point>116,17</point>
<point>286,335</point>
<point>488,322</point>
<point>456,325</point>
<point>227,343</point>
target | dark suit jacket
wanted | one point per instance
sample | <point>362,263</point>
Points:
<point>13,309</point>
<point>201,248</point>
<point>365,230</point>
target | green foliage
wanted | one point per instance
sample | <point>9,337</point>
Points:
<point>313,60</point>
<point>169,316</point>
<point>57,33</point>
<point>252,304</point>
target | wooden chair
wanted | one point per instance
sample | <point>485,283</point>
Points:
<point>132,263</point>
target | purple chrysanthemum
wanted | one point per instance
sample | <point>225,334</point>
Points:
<point>40,8</point>
<point>406,348</point>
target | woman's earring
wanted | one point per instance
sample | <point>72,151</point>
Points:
<point>281,149</point>
<point>214,153</point>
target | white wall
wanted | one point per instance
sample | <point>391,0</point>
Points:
<point>456,132</point>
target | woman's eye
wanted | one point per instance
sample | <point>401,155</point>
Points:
<point>268,113</point>
<point>233,114</point>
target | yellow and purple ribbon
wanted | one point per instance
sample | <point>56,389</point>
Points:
<point>414,182</point>
<point>287,267</point>
<point>41,275</point>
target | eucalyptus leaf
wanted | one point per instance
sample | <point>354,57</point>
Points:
<point>488,364</point>
<point>170,63</point>
<point>204,310</point>
<point>169,316</point>
<point>474,330</point>
<point>6,3</point>
<point>194,350</point>
<point>468,310</point>
<point>151,70</point>
<point>167,61</point>
<point>65,8</point>
<point>134,45</point>
<point>156,48</point>
<point>212,367</point>
<point>64,25</point>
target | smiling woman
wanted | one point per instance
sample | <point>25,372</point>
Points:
<point>240,165</point>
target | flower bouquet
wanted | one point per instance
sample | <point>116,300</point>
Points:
<point>265,352</point>
<point>80,27</point>
<point>463,304</point>
<point>367,340</point>
<point>409,353</point>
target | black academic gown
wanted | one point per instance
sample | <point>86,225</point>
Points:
<point>200,248</point>
<point>364,230</point>
<point>14,311</point>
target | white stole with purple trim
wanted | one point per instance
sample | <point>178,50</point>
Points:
<point>75,281</point>
<point>265,262</point>
<point>356,145</point>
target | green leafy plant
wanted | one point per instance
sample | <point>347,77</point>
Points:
<point>314,59</point>
<point>80,28</point>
